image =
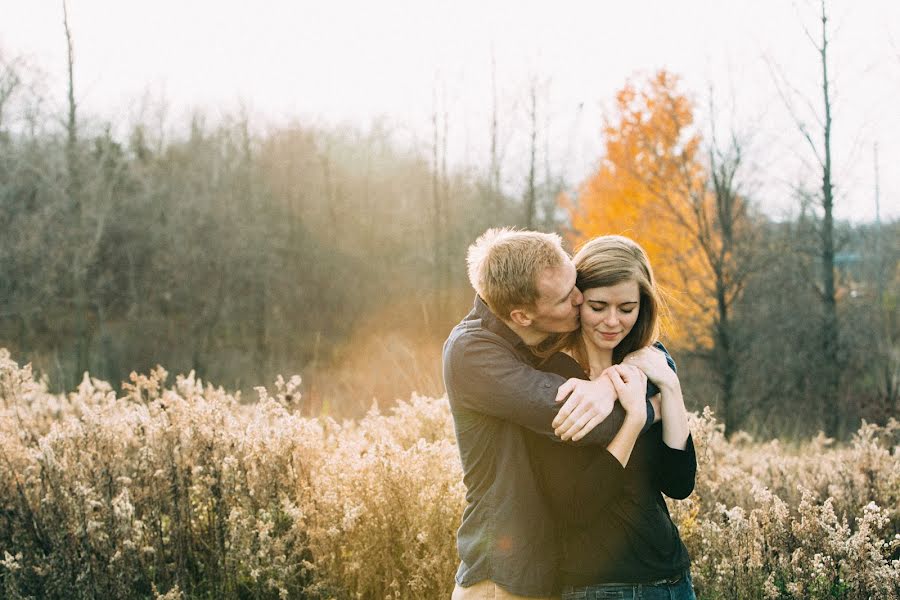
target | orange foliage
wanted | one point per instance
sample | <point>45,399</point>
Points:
<point>647,187</point>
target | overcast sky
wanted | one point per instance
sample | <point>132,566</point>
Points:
<point>352,61</point>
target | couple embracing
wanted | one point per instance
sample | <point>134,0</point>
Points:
<point>570,424</point>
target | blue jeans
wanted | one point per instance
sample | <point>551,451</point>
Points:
<point>682,589</point>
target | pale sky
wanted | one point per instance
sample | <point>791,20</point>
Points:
<point>354,61</point>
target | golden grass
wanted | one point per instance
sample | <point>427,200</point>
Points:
<point>184,491</point>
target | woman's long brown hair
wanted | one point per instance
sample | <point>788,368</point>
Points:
<point>606,261</point>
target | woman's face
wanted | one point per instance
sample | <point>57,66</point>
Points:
<point>609,313</point>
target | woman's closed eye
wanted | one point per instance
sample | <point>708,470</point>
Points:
<point>626,311</point>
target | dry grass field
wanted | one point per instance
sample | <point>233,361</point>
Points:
<point>179,489</point>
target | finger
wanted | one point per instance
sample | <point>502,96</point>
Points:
<point>589,426</point>
<point>607,370</point>
<point>573,418</point>
<point>617,381</point>
<point>630,373</point>
<point>577,425</point>
<point>576,421</point>
<point>638,372</point>
<point>568,407</point>
<point>567,388</point>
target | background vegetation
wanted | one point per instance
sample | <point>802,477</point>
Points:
<point>235,252</point>
<point>187,492</point>
<point>240,253</point>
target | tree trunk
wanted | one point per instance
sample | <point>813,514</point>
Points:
<point>495,159</point>
<point>530,198</point>
<point>79,270</point>
<point>834,410</point>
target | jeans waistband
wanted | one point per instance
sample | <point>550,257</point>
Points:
<point>665,581</point>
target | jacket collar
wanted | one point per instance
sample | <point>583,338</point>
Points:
<point>493,323</point>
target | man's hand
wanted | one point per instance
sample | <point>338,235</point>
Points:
<point>587,403</point>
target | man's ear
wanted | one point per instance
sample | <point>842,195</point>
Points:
<point>520,317</point>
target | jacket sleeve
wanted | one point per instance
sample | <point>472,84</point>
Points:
<point>485,376</point>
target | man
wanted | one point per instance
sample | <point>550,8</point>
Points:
<point>525,285</point>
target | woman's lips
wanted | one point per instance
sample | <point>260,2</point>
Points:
<point>610,336</point>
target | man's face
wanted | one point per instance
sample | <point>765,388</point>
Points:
<point>556,309</point>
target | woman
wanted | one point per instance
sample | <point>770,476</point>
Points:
<point>616,536</point>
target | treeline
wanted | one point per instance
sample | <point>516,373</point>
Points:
<point>781,380</point>
<point>791,323</point>
<point>338,254</point>
<point>234,254</point>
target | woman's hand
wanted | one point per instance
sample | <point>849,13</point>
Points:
<point>631,386</point>
<point>653,363</point>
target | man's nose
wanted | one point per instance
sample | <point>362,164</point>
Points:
<point>578,298</point>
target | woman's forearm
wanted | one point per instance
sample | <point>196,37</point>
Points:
<point>657,412</point>
<point>623,443</point>
<point>674,416</point>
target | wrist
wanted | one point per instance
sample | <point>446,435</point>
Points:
<point>636,418</point>
<point>669,387</point>
<point>604,388</point>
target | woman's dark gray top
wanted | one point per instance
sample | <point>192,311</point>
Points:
<point>613,524</point>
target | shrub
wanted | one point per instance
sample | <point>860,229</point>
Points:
<point>187,492</point>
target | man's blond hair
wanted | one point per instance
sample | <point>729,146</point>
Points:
<point>505,264</point>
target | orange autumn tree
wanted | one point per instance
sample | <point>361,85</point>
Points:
<point>648,184</point>
<point>657,185</point>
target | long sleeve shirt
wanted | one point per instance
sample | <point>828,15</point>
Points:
<point>612,521</point>
<point>498,398</point>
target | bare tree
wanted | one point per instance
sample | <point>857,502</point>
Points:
<point>725,240</point>
<point>74,187</point>
<point>440,192</point>
<point>10,80</point>
<point>887,363</point>
<point>530,192</point>
<point>707,249</point>
<point>827,289</point>
<point>494,175</point>
<point>72,122</point>
<point>714,215</point>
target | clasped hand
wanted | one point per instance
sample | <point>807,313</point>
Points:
<point>587,403</point>
<point>652,361</point>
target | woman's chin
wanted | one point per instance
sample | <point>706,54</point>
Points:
<point>602,343</point>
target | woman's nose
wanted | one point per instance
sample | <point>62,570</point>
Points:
<point>611,319</point>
